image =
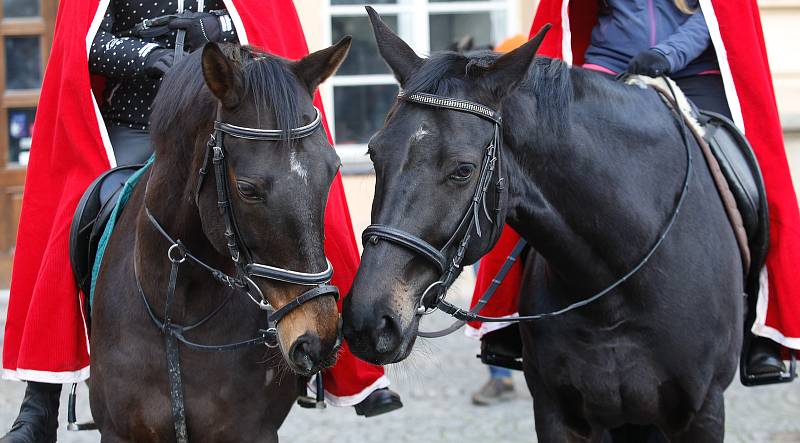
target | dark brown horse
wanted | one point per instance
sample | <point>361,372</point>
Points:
<point>593,174</point>
<point>277,190</point>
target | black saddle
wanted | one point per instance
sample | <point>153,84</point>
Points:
<point>740,168</point>
<point>90,219</point>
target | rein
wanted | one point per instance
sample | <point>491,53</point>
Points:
<point>374,233</point>
<point>240,255</point>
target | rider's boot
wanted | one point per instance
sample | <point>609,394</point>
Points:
<point>764,357</point>
<point>380,401</point>
<point>37,421</point>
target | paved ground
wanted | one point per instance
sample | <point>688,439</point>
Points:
<point>436,384</point>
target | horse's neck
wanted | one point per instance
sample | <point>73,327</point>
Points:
<point>583,196</point>
<point>178,216</point>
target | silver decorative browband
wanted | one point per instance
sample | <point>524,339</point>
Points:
<point>455,104</point>
<point>269,134</point>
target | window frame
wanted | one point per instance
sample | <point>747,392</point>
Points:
<point>39,27</point>
<point>414,27</point>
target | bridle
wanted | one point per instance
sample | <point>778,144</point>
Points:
<point>246,268</point>
<point>449,268</point>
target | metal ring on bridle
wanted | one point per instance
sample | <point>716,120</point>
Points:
<point>262,302</point>
<point>176,247</point>
<point>271,332</point>
<point>421,308</point>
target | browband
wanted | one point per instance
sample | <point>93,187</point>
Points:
<point>289,276</point>
<point>455,104</point>
<point>269,134</point>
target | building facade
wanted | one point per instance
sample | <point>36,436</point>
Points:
<point>357,98</point>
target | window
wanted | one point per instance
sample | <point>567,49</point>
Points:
<point>25,31</point>
<point>364,88</point>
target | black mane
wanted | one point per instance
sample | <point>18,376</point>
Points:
<point>184,102</point>
<point>549,81</point>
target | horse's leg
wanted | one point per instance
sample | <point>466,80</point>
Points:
<point>708,425</point>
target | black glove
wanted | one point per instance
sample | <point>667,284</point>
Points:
<point>200,27</point>
<point>159,61</point>
<point>650,62</point>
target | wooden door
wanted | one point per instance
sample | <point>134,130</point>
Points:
<point>26,29</point>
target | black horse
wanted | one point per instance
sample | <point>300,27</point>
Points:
<point>277,187</point>
<point>590,173</point>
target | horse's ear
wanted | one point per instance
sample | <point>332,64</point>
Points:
<point>503,76</point>
<point>222,76</point>
<point>398,55</point>
<point>314,68</point>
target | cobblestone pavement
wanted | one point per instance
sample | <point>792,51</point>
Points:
<point>436,383</point>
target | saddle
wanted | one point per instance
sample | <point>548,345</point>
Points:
<point>90,219</point>
<point>738,164</point>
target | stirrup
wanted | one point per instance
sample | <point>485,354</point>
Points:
<point>502,361</point>
<point>308,402</point>
<point>72,424</point>
<point>786,376</point>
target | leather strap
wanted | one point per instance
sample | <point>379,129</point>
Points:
<point>269,134</point>
<point>289,276</point>
<point>402,238</point>
<point>309,295</point>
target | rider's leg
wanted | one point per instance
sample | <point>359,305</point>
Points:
<point>708,92</point>
<point>37,421</point>
<point>131,145</point>
<point>353,382</point>
<point>499,388</point>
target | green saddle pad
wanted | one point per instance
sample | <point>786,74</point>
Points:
<point>125,195</point>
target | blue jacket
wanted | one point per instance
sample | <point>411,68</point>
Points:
<point>626,27</point>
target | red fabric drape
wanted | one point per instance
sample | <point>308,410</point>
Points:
<point>45,337</point>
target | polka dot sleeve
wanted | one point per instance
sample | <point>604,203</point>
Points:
<point>117,57</point>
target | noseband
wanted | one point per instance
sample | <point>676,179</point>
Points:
<point>246,268</point>
<point>449,267</point>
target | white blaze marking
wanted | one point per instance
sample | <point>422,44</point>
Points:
<point>421,132</point>
<point>297,168</point>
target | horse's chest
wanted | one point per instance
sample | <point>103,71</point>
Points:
<point>609,377</point>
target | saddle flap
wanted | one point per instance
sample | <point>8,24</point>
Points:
<point>91,215</point>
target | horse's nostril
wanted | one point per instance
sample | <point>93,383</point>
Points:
<point>305,352</point>
<point>386,335</point>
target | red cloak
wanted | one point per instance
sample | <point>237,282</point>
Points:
<point>735,28</point>
<point>45,336</point>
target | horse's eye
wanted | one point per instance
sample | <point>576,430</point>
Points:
<point>248,190</point>
<point>463,172</point>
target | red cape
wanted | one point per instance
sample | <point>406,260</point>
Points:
<point>735,28</point>
<point>45,336</point>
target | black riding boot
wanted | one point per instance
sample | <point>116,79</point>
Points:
<point>764,357</point>
<point>380,401</point>
<point>37,421</point>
